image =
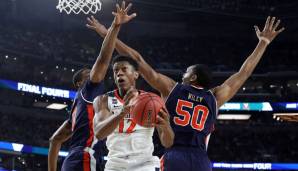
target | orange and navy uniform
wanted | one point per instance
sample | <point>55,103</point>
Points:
<point>193,112</point>
<point>85,149</point>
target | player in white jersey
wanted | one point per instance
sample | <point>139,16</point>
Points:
<point>130,146</point>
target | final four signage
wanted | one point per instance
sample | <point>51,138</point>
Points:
<point>43,90</point>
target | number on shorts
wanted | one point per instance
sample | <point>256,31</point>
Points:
<point>185,118</point>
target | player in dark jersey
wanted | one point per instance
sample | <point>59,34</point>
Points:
<point>192,106</point>
<point>83,155</point>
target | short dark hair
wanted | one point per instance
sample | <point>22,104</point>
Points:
<point>121,58</point>
<point>204,75</point>
<point>77,76</point>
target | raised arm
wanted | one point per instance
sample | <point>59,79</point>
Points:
<point>229,88</point>
<point>158,81</point>
<point>105,122</point>
<point>62,134</point>
<point>102,62</point>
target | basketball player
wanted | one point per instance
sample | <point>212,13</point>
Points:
<point>193,108</point>
<point>79,127</point>
<point>130,145</point>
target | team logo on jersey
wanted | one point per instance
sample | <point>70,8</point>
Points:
<point>114,101</point>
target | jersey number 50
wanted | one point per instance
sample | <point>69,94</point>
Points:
<point>185,118</point>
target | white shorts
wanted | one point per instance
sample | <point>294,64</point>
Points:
<point>133,164</point>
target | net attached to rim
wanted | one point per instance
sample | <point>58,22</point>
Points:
<point>78,6</point>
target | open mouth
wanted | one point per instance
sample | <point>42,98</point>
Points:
<point>121,80</point>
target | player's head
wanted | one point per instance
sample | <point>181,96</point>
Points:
<point>80,77</point>
<point>125,72</point>
<point>198,75</point>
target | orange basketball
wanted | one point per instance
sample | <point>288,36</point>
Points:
<point>146,108</point>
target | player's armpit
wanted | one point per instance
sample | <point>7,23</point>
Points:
<point>229,88</point>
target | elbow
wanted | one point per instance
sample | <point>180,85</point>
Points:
<point>168,144</point>
<point>99,134</point>
<point>100,137</point>
<point>95,78</point>
<point>54,140</point>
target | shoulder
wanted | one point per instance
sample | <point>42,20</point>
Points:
<point>100,101</point>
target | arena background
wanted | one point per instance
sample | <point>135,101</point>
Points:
<point>42,47</point>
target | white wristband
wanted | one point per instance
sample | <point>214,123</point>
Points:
<point>265,39</point>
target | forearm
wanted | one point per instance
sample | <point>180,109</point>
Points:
<point>106,127</point>
<point>252,61</point>
<point>166,136</point>
<point>53,155</point>
<point>102,62</point>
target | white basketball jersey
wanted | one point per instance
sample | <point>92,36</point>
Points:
<point>128,139</point>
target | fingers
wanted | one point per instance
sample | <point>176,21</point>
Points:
<point>276,25</point>
<point>90,27</point>
<point>93,18</point>
<point>160,120</point>
<point>132,16</point>
<point>118,8</point>
<point>123,5</point>
<point>257,29</point>
<point>163,113</point>
<point>89,20</point>
<point>128,7</point>
<point>131,93</point>
<point>267,23</point>
<point>280,30</point>
<point>271,23</point>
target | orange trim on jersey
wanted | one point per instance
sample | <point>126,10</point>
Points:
<point>121,126</point>
<point>162,163</point>
<point>73,118</point>
<point>131,127</point>
<point>90,112</point>
<point>86,162</point>
<point>117,96</point>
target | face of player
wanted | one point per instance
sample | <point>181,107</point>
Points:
<point>85,76</point>
<point>125,75</point>
<point>189,76</point>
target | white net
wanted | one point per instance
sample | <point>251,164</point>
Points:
<point>78,6</point>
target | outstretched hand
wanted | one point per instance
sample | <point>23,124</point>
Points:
<point>93,24</point>
<point>121,15</point>
<point>270,30</point>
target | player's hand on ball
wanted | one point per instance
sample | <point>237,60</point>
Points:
<point>121,15</point>
<point>163,120</point>
<point>93,24</point>
<point>129,98</point>
<point>270,30</point>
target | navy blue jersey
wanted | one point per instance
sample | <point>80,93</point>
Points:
<point>192,115</point>
<point>82,113</point>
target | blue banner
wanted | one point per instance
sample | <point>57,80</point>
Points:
<point>257,166</point>
<point>36,89</point>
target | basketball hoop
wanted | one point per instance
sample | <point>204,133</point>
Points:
<point>77,6</point>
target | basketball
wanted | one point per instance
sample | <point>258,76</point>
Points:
<point>145,109</point>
